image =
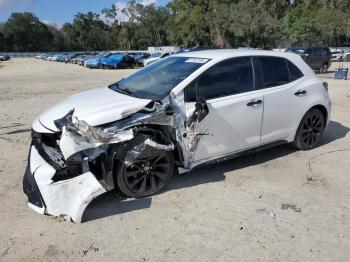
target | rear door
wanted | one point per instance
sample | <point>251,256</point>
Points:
<point>235,110</point>
<point>283,97</point>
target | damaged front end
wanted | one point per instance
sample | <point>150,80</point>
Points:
<point>68,168</point>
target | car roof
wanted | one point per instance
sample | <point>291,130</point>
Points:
<point>229,53</point>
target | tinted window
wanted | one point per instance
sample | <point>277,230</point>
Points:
<point>229,77</point>
<point>274,71</point>
<point>294,72</point>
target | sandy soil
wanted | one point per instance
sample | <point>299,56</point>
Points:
<point>278,205</point>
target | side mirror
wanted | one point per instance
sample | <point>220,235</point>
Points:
<point>200,112</point>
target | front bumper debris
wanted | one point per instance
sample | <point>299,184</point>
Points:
<point>62,198</point>
<point>31,189</point>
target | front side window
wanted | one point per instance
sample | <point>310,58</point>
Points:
<point>274,71</point>
<point>157,80</point>
<point>230,77</point>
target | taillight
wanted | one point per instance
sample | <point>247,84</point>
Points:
<point>325,85</point>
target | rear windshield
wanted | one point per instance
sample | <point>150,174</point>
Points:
<point>158,79</point>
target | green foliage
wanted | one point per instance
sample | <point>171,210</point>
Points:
<point>224,23</point>
<point>87,31</point>
<point>328,24</point>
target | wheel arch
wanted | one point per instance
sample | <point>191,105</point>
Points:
<point>320,107</point>
<point>323,110</point>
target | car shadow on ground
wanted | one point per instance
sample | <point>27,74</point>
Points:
<point>335,131</point>
<point>110,204</point>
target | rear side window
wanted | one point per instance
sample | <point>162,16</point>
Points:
<point>230,77</point>
<point>294,72</point>
<point>274,71</point>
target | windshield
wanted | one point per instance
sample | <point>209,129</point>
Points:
<point>157,80</point>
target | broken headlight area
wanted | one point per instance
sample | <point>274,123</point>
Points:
<point>48,148</point>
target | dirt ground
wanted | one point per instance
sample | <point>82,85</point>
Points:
<point>277,205</point>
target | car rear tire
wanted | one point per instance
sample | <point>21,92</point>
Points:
<point>324,68</point>
<point>147,174</point>
<point>310,130</point>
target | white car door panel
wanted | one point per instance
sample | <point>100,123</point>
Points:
<point>281,110</point>
<point>232,125</point>
<point>234,120</point>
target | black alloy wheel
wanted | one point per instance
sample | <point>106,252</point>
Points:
<point>146,176</point>
<point>310,130</point>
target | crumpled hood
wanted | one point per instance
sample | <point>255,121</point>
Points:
<point>96,107</point>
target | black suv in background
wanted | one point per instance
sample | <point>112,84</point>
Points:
<point>318,58</point>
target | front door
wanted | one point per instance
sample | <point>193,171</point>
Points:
<point>234,120</point>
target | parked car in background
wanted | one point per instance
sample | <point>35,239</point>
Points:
<point>139,57</point>
<point>346,57</point>
<point>318,58</point>
<point>41,56</point>
<point>81,59</point>
<point>182,112</point>
<point>4,57</point>
<point>53,57</point>
<point>75,59</point>
<point>46,57</point>
<point>154,57</point>
<point>337,55</point>
<point>95,62</point>
<point>61,58</point>
<point>118,60</point>
<point>69,57</point>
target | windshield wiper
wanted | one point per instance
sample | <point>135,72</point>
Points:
<point>126,91</point>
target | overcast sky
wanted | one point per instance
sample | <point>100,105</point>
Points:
<point>60,11</point>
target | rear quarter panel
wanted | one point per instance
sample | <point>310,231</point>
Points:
<point>316,95</point>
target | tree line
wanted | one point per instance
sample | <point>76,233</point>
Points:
<point>222,23</point>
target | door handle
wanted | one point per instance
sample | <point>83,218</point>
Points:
<point>300,93</point>
<point>254,102</point>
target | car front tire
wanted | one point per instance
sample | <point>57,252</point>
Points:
<point>310,130</point>
<point>145,175</point>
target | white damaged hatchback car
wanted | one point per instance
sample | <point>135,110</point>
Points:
<point>181,112</point>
